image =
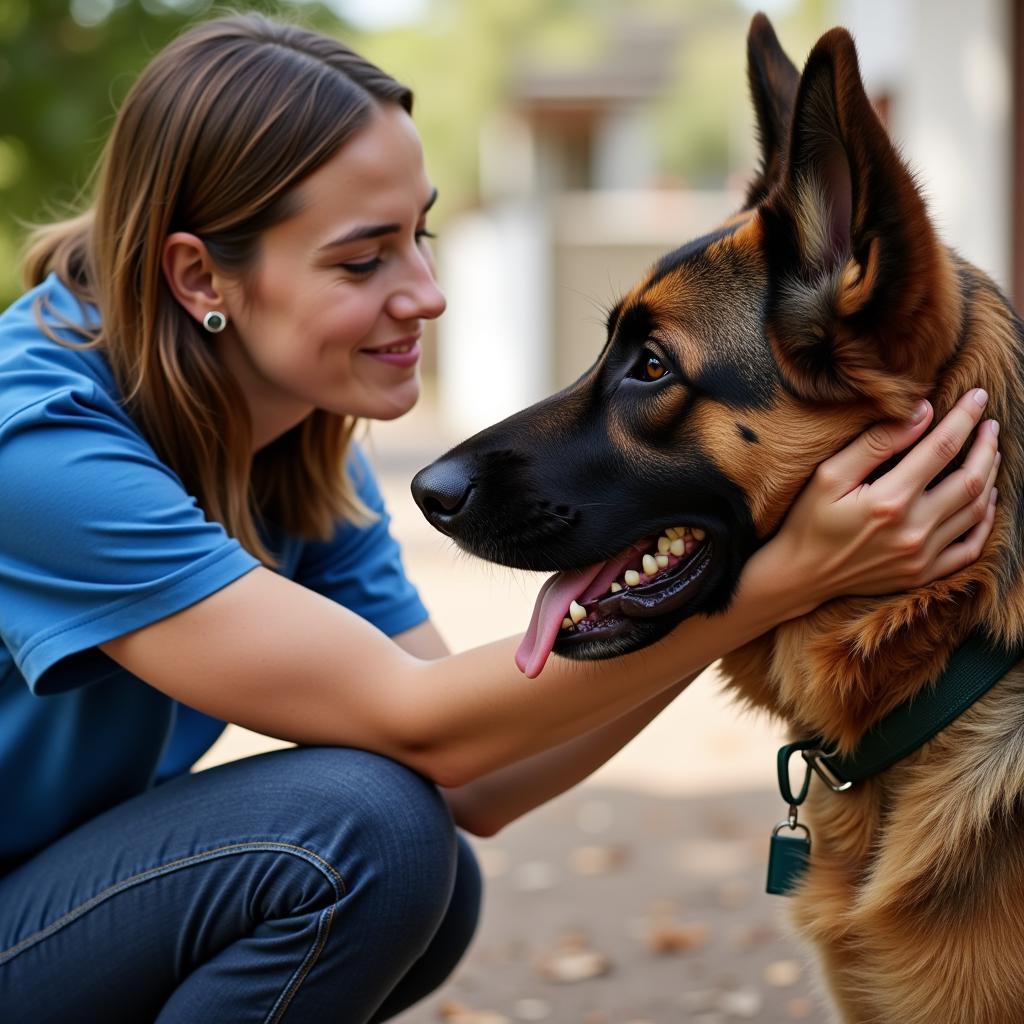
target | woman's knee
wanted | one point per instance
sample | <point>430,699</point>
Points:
<point>379,820</point>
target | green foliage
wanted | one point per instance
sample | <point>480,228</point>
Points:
<point>65,65</point>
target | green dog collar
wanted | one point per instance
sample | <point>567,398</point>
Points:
<point>972,670</point>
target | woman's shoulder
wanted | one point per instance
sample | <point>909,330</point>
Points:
<point>42,353</point>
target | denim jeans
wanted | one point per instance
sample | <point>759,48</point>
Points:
<point>306,885</point>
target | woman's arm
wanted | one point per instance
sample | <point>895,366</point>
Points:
<point>275,657</point>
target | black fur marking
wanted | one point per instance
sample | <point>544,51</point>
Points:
<point>748,435</point>
<point>738,386</point>
<point>635,323</point>
<point>688,252</point>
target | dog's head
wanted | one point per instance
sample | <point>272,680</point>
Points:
<point>730,371</point>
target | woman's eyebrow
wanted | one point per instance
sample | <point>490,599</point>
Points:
<point>374,230</point>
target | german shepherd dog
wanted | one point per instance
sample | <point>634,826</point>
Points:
<point>739,363</point>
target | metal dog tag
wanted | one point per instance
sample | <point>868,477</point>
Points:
<point>788,858</point>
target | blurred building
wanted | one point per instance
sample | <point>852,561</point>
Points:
<point>573,212</point>
<point>570,217</point>
<point>950,77</point>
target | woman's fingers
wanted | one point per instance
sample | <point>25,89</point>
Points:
<point>966,516</point>
<point>956,556</point>
<point>967,483</point>
<point>850,466</point>
<point>935,452</point>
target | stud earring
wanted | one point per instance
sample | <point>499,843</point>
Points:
<point>215,321</point>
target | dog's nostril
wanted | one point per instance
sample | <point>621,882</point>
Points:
<point>432,504</point>
<point>442,488</point>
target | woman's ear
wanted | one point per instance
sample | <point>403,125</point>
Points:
<point>191,275</point>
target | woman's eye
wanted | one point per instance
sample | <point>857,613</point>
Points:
<point>424,233</point>
<point>653,369</point>
<point>362,268</point>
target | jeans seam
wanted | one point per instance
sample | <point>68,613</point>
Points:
<point>326,869</point>
<point>323,931</point>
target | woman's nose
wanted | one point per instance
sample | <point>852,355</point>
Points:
<point>418,297</point>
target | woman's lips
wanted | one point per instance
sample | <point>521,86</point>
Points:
<point>403,353</point>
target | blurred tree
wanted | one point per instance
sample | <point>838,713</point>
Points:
<point>65,65</point>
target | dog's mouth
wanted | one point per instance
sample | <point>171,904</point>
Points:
<point>579,611</point>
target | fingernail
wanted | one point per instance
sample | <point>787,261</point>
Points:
<point>919,413</point>
<point>980,396</point>
<point>995,426</point>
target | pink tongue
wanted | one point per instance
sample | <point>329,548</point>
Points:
<point>553,601</point>
<point>552,606</point>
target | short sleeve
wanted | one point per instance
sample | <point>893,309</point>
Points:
<point>361,567</point>
<point>97,537</point>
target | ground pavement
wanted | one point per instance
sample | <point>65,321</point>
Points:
<point>637,898</point>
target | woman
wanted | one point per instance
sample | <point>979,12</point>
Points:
<point>178,540</point>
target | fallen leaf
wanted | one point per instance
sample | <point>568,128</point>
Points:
<point>568,966</point>
<point>456,1013</point>
<point>597,860</point>
<point>665,938</point>
<point>744,1002</point>
<point>782,973</point>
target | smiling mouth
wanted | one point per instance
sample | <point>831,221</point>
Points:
<point>393,349</point>
<point>577,611</point>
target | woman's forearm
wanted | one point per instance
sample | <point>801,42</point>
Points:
<point>489,803</point>
<point>483,715</point>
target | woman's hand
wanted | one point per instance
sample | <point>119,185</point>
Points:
<point>858,538</point>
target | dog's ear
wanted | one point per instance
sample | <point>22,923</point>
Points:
<point>855,259</point>
<point>773,80</point>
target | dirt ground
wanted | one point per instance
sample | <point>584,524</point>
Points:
<point>611,906</point>
<point>638,897</point>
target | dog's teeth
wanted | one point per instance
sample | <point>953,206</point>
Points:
<point>670,532</point>
<point>698,534</point>
<point>577,612</point>
<point>677,547</point>
<point>650,565</point>
<point>662,561</point>
<point>632,577</point>
<point>615,588</point>
<point>664,543</point>
<point>567,623</point>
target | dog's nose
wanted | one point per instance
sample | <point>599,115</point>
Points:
<point>442,491</point>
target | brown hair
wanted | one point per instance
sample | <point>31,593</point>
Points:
<point>212,139</point>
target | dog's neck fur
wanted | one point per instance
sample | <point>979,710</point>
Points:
<point>840,669</point>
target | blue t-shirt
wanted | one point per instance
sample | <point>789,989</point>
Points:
<point>97,538</point>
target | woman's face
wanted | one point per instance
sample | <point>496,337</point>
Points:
<point>332,315</point>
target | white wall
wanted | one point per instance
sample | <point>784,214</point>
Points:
<point>494,342</point>
<point>947,66</point>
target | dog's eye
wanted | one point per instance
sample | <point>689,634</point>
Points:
<point>654,369</point>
